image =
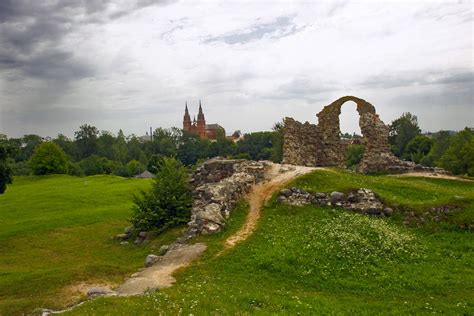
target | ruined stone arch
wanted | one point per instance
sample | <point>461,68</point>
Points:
<point>320,145</point>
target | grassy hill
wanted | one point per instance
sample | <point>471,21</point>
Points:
<point>56,235</point>
<point>317,260</point>
<point>306,260</point>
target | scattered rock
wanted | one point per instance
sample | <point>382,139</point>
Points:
<point>337,197</point>
<point>142,235</point>
<point>121,237</point>
<point>99,291</point>
<point>124,243</point>
<point>128,230</point>
<point>285,192</point>
<point>138,241</point>
<point>320,195</point>
<point>388,211</point>
<point>150,260</point>
<point>362,200</point>
<point>163,250</point>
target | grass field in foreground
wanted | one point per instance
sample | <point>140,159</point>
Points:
<point>320,260</point>
<point>56,234</point>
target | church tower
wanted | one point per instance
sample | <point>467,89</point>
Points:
<point>201,122</point>
<point>186,119</point>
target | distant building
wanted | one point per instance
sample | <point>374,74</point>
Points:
<point>199,126</point>
<point>145,175</point>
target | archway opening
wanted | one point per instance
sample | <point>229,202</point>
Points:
<point>351,135</point>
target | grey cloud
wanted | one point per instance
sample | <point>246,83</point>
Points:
<point>302,88</point>
<point>32,32</point>
<point>281,27</point>
<point>387,81</point>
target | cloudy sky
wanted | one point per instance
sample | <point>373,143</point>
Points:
<point>133,64</point>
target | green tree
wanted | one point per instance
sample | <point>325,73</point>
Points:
<point>222,147</point>
<point>48,158</point>
<point>459,157</point>
<point>28,145</point>
<point>66,144</point>
<point>95,165</point>
<point>166,141</point>
<point>192,148</point>
<point>5,171</point>
<point>259,145</point>
<point>417,148</point>
<point>86,141</point>
<point>105,145</point>
<point>168,203</point>
<point>120,149</point>
<point>402,131</point>
<point>154,163</point>
<point>441,142</point>
<point>135,167</point>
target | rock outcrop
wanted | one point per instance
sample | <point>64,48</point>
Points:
<point>320,145</point>
<point>362,201</point>
<point>218,185</point>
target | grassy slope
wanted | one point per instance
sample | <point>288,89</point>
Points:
<point>56,231</point>
<point>316,260</point>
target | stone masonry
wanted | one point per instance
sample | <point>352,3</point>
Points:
<point>218,185</point>
<point>320,145</point>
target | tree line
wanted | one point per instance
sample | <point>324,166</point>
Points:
<point>91,151</point>
<point>101,152</point>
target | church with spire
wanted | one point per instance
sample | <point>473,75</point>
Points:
<point>199,126</point>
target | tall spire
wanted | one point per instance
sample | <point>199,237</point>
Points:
<point>186,112</point>
<point>200,114</point>
<point>186,118</point>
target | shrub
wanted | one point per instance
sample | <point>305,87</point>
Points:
<point>354,154</point>
<point>459,157</point>
<point>99,165</point>
<point>74,169</point>
<point>20,168</point>
<point>48,158</point>
<point>135,167</point>
<point>168,203</point>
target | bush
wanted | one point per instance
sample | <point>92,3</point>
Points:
<point>99,165</point>
<point>135,167</point>
<point>74,169</point>
<point>168,203</point>
<point>354,154</point>
<point>20,168</point>
<point>48,158</point>
<point>459,157</point>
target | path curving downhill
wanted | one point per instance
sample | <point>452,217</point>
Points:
<point>278,176</point>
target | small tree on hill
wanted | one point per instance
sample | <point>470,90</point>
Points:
<point>402,131</point>
<point>48,158</point>
<point>5,171</point>
<point>168,203</point>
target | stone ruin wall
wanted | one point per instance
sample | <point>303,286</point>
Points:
<point>320,145</point>
<point>218,185</point>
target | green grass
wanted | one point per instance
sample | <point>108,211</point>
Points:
<point>56,232</point>
<point>319,260</point>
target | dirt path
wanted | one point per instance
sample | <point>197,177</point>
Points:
<point>159,275</point>
<point>278,176</point>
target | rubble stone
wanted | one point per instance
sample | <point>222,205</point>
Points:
<point>218,185</point>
